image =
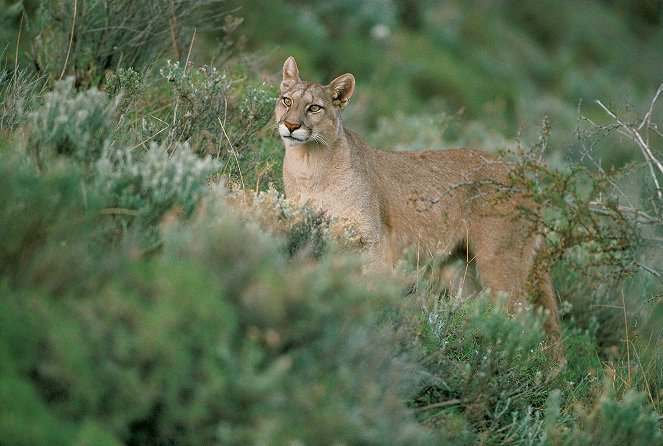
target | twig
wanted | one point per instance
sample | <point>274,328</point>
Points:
<point>442,404</point>
<point>599,209</point>
<point>647,119</point>
<point>467,260</point>
<point>173,29</point>
<point>613,372</point>
<point>121,211</point>
<point>15,74</point>
<point>628,345</point>
<point>18,40</point>
<point>634,134</point>
<point>644,375</point>
<point>71,41</point>
<point>263,171</point>
<point>188,55</point>
<point>651,270</point>
<point>148,139</point>
<point>586,153</point>
<point>232,150</point>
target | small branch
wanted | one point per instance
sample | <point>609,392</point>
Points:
<point>121,211</point>
<point>15,74</point>
<point>232,150</point>
<point>641,216</point>
<point>173,30</point>
<point>18,41</point>
<point>633,133</point>
<point>647,119</point>
<point>188,55</point>
<point>656,273</point>
<point>71,40</point>
<point>148,138</point>
<point>442,404</point>
<point>628,344</point>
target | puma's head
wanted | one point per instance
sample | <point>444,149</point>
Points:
<point>308,112</point>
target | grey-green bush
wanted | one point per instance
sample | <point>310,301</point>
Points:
<point>216,340</point>
<point>71,123</point>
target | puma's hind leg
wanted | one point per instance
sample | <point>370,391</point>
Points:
<point>521,269</point>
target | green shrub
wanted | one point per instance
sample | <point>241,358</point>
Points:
<point>128,84</point>
<point>215,113</point>
<point>71,123</point>
<point>615,422</point>
<point>490,370</point>
<point>44,218</point>
<point>216,340</point>
<point>21,92</point>
<point>139,186</point>
<point>199,97</point>
<point>306,232</point>
<point>144,186</point>
<point>94,37</point>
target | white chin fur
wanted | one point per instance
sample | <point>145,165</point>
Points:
<point>299,136</point>
<point>289,140</point>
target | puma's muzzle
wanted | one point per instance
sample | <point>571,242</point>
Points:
<point>293,134</point>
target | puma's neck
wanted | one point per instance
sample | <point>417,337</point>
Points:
<point>314,170</point>
<point>317,158</point>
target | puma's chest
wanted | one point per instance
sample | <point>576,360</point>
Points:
<point>340,196</point>
<point>336,196</point>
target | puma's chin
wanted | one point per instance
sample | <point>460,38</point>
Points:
<point>292,141</point>
<point>297,137</point>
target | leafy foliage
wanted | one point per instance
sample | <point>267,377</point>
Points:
<point>618,422</point>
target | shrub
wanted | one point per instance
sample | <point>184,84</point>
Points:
<point>143,187</point>
<point>216,340</point>
<point>21,92</point>
<point>205,106</point>
<point>490,371</point>
<point>614,422</point>
<point>216,114</point>
<point>307,232</point>
<point>44,216</point>
<point>92,37</point>
<point>71,123</point>
<point>139,186</point>
<point>247,326</point>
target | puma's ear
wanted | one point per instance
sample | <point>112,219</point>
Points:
<point>290,74</point>
<point>341,90</point>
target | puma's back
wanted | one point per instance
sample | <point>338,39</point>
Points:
<point>430,201</point>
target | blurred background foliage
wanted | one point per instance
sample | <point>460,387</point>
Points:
<point>508,63</point>
<point>156,288</point>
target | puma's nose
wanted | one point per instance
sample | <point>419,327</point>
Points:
<point>292,127</point>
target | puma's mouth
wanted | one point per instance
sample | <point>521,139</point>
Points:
<point>296,137</point>
<point>292,140</point>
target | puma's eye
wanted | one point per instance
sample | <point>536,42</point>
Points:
<point>314,108</point>
<point>287,102</point>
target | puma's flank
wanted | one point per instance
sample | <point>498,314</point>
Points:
<point>432,201</point>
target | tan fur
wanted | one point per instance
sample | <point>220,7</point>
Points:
<point>433,201</point>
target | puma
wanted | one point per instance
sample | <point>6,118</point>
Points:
<point>433,201</point>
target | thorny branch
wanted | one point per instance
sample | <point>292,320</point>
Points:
<point>634,132</point>
<point>639,133</point>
